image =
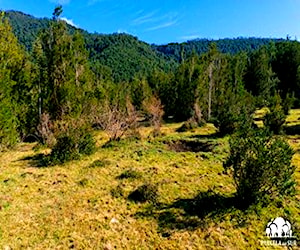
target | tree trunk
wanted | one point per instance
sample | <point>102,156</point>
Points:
<point>211,83</point>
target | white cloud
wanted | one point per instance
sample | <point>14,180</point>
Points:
<point>189,37</point>
<point>157,21</point>
<point>120,31</point>
<point>163,25</point>
<point>146,18</point>
<point>61,2</point>
<point>69,21</point>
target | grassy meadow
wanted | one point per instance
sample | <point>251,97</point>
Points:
<point>84,204</point>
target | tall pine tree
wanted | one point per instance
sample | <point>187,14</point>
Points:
<point>13,85</point>
<point>63,75</point>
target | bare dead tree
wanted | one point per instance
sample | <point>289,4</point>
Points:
<point>117,122</point>
<point>154,107</point>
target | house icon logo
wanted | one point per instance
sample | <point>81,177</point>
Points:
<point>279,233</point>
<point>279,228</point>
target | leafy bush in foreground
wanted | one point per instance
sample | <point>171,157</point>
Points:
<point>261,165</point>
<point>71,146</point>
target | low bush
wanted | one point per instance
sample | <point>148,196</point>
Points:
<point>275,118</point>
<point>233,112</point>
<point>146,192</point>
<point>71,146</point>
<point>45,130</point>
<point>86,144</point>
<point>288,103</point>
<point>261,166</point>
<point>274,121</point>
<point>99,164</point>
<point>64,150</point>
<point>188,125</point>
<point>118,121</point>
<point>130,174</point>
<point>117,192</point>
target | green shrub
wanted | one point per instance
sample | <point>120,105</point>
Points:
<point>117,192</point>
<point>99,163</point>
<point>288,103</point>
<point>146,192</point>
<point>261,165</point>
<point>233,114</point>
<point>71,146</point>
<point>130,174</point>
<point>86,144</point>
<point>227,123</point>
<point>188,126</point>
<point>64,150</point>
<point>275,119</point>
<point>8,127</point>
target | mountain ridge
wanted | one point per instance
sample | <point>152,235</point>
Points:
<point>125,54</point>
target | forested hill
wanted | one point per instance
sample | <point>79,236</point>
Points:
<point>26,27</point>
<point>177,51</point>
<point>124,55</point>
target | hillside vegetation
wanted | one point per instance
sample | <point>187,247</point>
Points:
<point>178,51</point>
<point>108,143</point>
<point>84,204</point>
<point>124,54</point>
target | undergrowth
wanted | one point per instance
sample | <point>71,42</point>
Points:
<point>135,194</point>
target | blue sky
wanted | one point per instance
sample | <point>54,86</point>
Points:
<point>164,21</point>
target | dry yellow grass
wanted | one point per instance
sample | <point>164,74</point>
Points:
<point>72,206</point>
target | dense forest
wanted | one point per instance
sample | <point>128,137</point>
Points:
<point>50,69</point>
<point>178,51</point>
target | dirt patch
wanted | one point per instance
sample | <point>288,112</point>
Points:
<point>191,146</point>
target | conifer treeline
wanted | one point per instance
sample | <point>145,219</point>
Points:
<point>57,80</point>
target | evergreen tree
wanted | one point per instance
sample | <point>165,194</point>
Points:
<point>186,82</point>
<point>286,65</point>
<point>63,74</point>
<point>163,85</point>
<point>276,116</point>
<point>260,79</point>
<point>13,85</point>
<point>232,104</point>
<point>140,90</point>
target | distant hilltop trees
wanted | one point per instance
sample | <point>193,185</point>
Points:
<point>126,56</point>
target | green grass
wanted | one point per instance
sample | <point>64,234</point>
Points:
<point>83,204</point>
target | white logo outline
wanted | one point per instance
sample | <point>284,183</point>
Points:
<point>279,228</point>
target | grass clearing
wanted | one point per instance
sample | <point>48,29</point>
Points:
<point>83,204</point>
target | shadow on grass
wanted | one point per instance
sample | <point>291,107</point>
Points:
<point>292,130</point>
<point>191,145</point>
<point>198,212</point>
<point>38,160</point>
<point>216,135</point>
